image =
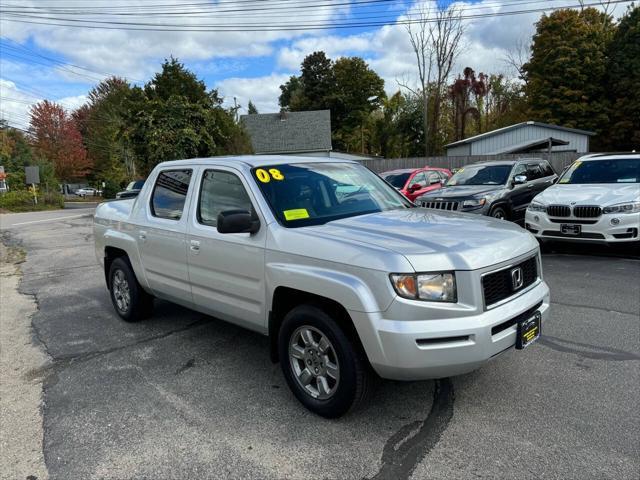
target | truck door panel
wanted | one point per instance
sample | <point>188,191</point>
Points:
<point>226,270</point>
<point>162,239</point>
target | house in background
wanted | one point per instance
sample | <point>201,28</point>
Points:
<point>290,133</point>
<point>526,137</point>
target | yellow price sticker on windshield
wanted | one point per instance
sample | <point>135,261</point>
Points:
<point>265,177</point>
<point>296,214</point>
<point>564,180</point>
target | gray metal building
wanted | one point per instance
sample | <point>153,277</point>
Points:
<point>526,137</point>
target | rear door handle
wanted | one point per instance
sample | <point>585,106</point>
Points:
<point>194,246</point>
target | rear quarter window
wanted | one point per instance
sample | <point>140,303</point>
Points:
<point>170,193</point>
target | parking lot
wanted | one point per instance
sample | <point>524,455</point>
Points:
<point>182,395</point>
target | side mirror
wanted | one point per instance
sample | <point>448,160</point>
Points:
<point>237,221</point>
<point>414,188</point>
<point>519,179</point>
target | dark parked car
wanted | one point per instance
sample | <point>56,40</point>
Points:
<point>413,182</point>
<point>132,190</point>
<point>502,189</point>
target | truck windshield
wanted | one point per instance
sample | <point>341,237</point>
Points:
<point>618,170</point>
<point>481,175</point>
<point>315,193</point>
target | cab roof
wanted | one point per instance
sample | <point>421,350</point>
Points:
<point>252,160</point>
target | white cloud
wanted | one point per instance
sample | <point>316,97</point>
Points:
<point>15,105</point>
<point>262,91</point>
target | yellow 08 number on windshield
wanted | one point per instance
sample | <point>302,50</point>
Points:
<point>265,177</point>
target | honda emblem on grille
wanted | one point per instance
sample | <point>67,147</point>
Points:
<point>517,278</point>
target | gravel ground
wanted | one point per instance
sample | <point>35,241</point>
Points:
<point>21,374</point>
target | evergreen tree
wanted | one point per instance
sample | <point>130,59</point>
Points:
<point>567,70</point>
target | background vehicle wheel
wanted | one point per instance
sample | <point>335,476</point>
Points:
<point>327,373</point>
<point>129,299</point>
<point>500,213</point>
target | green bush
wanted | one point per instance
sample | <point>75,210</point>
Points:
<point>22,200</point>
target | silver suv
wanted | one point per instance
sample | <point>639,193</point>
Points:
<point>345,276</point>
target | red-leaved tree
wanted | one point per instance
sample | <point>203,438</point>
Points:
<point>56,137</point>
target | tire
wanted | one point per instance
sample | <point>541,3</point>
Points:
<point>343,365</point>
<point>129,299</point>
<point>499,213</point>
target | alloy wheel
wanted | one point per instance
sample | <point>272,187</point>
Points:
<point>314,362</point>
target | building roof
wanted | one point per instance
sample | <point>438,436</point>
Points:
<point>515,126</point>
<point>289,132</point>
<point>523,147</point>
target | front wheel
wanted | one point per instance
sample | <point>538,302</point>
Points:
<point>326,372</point>
<point>499,212</point>
<point>129,299</point>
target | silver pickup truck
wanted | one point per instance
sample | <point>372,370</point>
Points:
<point>346,277</point>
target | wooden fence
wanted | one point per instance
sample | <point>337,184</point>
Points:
<point>558,161</point>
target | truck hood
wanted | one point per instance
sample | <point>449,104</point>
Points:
<point>434,241</point>
<point>590,194</point>
<point>461,191</point>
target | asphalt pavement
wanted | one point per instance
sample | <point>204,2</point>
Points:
<point>183,395</point>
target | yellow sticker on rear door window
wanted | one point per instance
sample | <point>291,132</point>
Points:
<point>296,214</point>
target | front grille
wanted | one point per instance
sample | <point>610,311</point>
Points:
<point>584,211</point>
<point>499,285</point>
<point>440,205</point>
<point>553,233</point>
<point>573,222</point>
<point>558,211</point>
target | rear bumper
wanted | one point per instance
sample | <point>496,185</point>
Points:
<point>627,228</point>
<point>422,349</point>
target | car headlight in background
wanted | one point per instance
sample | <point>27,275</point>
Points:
<point>537,207</point>
<point>431,287</point>
<point>630,207</point>
<point>474,202</point>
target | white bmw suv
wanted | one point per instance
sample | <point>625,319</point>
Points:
<point>597,199</point>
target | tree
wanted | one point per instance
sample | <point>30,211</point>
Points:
<point>358,91</point>
<point>56,138</point>
<point>623,78</point>
<point>251,109</point>
<point>567,71</point>
<point>174,117</point>
<point>436,42</point>
<point>347,87</point>
<point>467,93</point>
<point>101,121</point>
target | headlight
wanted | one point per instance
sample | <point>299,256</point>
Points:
<point>474,202</point>
<point>631,207</point>
<point>537,207</point>
<point>431,287</point>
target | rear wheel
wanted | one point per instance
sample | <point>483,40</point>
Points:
<point>129,299</point>
<point>326,372</point>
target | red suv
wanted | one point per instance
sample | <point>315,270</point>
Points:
<point>413,182</point>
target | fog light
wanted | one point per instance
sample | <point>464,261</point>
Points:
<point>615,221</point>
<point>536,218</point>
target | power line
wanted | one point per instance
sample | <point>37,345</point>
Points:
<point>254,27</point>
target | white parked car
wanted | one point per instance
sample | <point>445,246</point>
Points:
<point>597,199</point>
<point>86,191</point>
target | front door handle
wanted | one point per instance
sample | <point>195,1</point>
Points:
<point>194,246</point>
<point>143,235</point>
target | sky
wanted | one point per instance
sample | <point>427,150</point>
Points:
<point>49,50</point>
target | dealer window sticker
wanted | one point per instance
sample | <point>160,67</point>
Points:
<point>296,214</point>
<point>627,180</point>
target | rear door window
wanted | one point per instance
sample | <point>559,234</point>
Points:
<point>170,193</point>
<point>221,191</point>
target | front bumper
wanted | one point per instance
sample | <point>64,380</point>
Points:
<point>441,347</point>
<point>603,231</point>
